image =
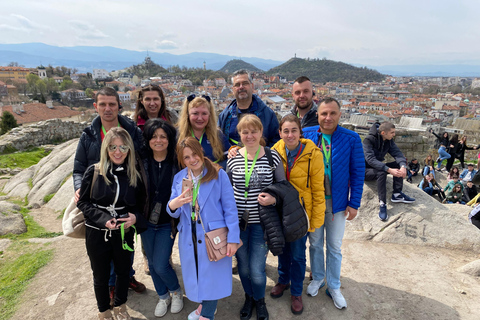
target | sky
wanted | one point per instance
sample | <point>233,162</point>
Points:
<point>367,32</point>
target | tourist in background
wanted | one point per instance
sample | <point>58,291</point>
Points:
<point>198,119</point>
<point>160,166</point>
<point>453,172</point>
<point>452,183</point>
<point>209,204</point>
<point>442,143</point>
<point>452,150</point>
<point>150,105</point>
<point>112,203</point>
<point>303,165</point>
<point>469,192</point>
<point>412,169</point>
<point>455,195</point>
<point>251,171</point>
<point>467,174</point>
<point>462,146</point>
<point>429,166</point>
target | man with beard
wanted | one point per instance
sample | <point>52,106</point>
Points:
<point>245,102</point>
<point>305,109</point>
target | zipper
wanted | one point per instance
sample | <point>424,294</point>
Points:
<point>308,172</point>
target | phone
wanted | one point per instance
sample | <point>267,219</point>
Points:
<point>118,223</point>
<point>187,184</point>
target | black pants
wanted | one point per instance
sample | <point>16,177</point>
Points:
<point>476,221</point>
<point>440,194</point>
<point>101,252</point>
<point>381,177</point>
<point>450,162</point>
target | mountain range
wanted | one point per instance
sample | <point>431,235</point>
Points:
<point>86,58</point>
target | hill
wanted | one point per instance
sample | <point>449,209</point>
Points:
<point>236,64</point>
<point>325,71</point>
<point>85,58</point>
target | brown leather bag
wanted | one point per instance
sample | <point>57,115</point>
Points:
<point>216,243</point>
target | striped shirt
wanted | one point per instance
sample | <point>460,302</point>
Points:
<point>262,176</point>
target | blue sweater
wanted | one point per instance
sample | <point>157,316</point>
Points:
<point>348,166</point>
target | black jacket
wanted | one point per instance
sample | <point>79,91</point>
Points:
<point>375,149</point>
<point>288,214</point>
<point>88,148</point>
<point>441,140</point>
<point>414,167</point>
<point>310,119</point>
<point>130,199</point>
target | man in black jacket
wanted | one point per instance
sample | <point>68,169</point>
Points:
<point>107,104</point>
<point>305,108</point>
<point>413,168</point>
<point>376,145</point>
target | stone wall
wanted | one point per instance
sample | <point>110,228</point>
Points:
<point>41,133</point>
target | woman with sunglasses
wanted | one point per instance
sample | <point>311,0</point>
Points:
<point>303,164</point>
<point>206,204</point>
<point>251,170</point>
<point>112,206</point>
<point>160,166</point>
<point>198,119</point>
<point>151,104</point>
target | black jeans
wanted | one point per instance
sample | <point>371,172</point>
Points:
<point>101,252</point>
<point>381,177</point>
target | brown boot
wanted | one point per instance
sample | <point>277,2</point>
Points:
<point>297,305</point>
<point>106,315</point>
<point>121,312</point>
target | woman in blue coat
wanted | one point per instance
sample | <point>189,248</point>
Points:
<point>212,195</point>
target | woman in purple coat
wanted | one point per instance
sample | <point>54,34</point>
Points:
<point>211,198</point>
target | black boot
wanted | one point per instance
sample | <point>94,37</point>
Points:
<point>247,309</point>
<point>262,312</point>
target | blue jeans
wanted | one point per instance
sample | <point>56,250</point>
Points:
<point>158,245</point>
<point>334,227</point>
<point>208,309</point>
<point>252,258</point>
<point>428,190</point>
<point>410,175</point>
<point>113,276</point>
<point>443,154</point>
<point>426,170</point>
<point>292,264</point>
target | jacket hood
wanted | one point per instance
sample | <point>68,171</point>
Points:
<point>374,129</point>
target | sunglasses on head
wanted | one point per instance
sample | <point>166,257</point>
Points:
<point>123,148</point>
<point>193,96</point>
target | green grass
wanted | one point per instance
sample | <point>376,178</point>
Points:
<point>22,159</point>
<point>18,265</point>
<point>48,197</point>
<point>34,230</point>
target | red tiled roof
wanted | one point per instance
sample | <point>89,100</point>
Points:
<point>35,112</point>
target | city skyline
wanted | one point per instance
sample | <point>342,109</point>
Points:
<point>373,33</point>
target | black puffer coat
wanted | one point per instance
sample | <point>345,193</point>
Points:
<point>288,216</point>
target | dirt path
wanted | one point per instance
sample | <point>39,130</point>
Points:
<point>379,281</point>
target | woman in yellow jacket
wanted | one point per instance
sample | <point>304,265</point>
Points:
<point>303,164</point>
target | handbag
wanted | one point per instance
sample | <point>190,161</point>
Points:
<point>73,222</point>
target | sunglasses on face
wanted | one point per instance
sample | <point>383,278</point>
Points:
<point>123,148</point>
<point>193,96</point>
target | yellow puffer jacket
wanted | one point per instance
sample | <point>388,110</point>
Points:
<point>306,176</point>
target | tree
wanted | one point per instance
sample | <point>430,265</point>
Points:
<point>89,92</point>
<point>7,123</point>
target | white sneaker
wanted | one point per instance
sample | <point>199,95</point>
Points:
<point>162,307</point>
<point>314,286</point>
<point>177,302</point>
<point>195,314</point>
<point>337,297</point>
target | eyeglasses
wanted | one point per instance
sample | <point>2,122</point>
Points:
<point>123,148</point>
<point>193,96</point>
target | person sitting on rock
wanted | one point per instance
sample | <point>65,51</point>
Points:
<point>452,172</point>
<point>467,174</point>
<point>430,186</point>
<point>413,168</point>
<point>429,166</point>
<point>452,183</point>
<point>469,192</point>
<point>376,145</point>
<point>455,195</point>
<point>474,215</point>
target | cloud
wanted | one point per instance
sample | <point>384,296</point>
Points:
<point>86,30</point>
<point>11,28</point>
<point>166,44</point>
<point>28,24</point>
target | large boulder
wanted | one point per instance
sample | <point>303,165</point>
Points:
<point>62,198</point>
<point>11,221</point>
<point>473,268</point>
<point>424,222</point>
<point>18,185</point>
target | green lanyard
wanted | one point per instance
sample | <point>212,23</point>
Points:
<point>196,189</point>
<point>105,131</point>
<point>199,140</point>
<point>326,153</point>
<point>248,173</point>
<point>125,246</point>
<point>234,141</point>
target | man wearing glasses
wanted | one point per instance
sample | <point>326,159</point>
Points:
<point>107,104</point>
<point>246,102</point>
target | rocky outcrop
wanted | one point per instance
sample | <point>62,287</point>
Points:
<point>473,268</point>
<point>424,222</point>
<point>11,221</point>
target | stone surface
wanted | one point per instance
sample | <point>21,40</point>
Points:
<point>62,198</point>
<point>10,220</point>
<point>473,268</point>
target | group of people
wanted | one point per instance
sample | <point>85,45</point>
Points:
<point>163,177</point>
